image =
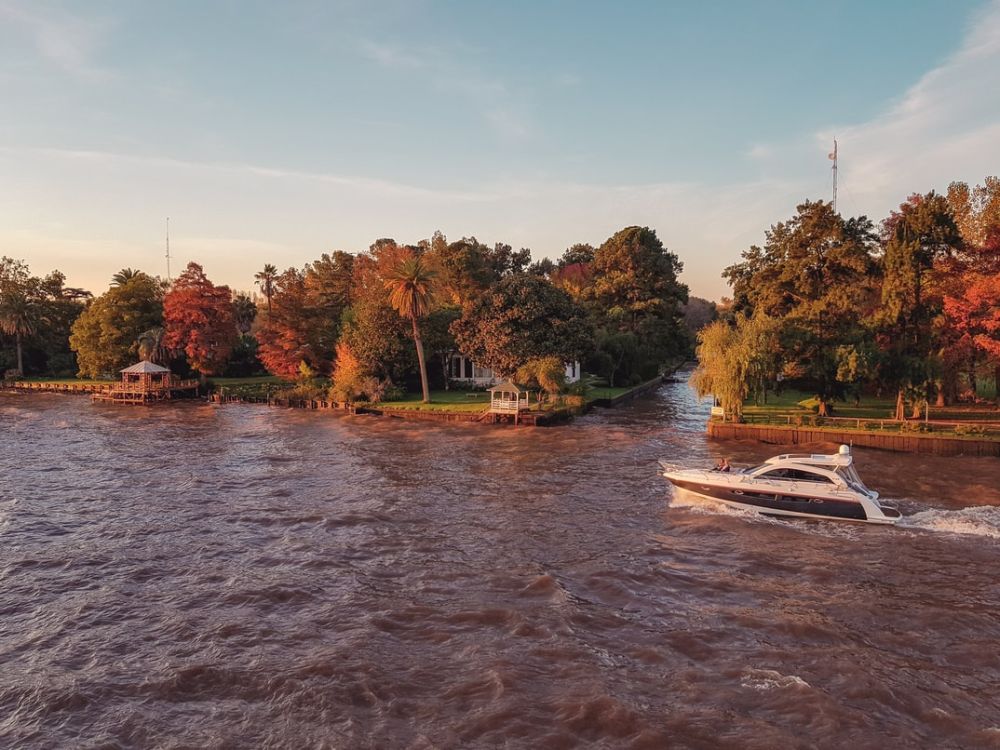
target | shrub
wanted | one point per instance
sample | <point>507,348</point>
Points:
<point>548,373</point>
<point>970,429</point>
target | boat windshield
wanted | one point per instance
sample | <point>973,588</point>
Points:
<point>850,475</point>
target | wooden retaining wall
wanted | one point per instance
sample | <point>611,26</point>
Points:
<point>640,390</point>
<point>18,385</point>
<point>933,444</point>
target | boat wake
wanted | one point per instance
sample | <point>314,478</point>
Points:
<point>769,679</point>
<point>981,520</point>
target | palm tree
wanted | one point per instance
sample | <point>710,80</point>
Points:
<point>265,280</point>
<point>124,276</point>
<point>18,318</point>
<point>150,346</point>
<point>244,312</point>
<point>411,294</point>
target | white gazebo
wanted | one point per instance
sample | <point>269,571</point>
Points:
<point>507,398</point>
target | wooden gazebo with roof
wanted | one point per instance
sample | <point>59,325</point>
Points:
<point>508,399</point>
<point>145,382</point>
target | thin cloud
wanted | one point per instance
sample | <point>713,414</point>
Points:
<point>366,184</point>
<point>944,128</point>
<point>66,41</point>
<point>453,74</point>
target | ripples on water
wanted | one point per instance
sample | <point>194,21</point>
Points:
<point>201,576</point>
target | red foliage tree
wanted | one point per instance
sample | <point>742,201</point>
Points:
<point>974,314</point>
<point>198,318</point>
<point>303,324</point>
<point>283,333</point>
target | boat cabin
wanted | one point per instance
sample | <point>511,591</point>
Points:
<point>837,469</point>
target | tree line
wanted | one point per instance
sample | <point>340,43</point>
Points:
<point>838,306</point>
<point>375,322</point>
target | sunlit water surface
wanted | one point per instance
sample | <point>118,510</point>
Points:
<point>238,576</point>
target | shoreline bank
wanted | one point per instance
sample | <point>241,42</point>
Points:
<point>530,418</point>
<point>897,442</point>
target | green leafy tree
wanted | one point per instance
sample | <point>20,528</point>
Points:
<point>523,317</point>
<point>410,284</point>
<point>38,313</point>
<point>635,289</point>
<point>917,237</point>
<point>376,336</point>
<point>578,253</point>
<point>817,273</point>
<point>105,336</point>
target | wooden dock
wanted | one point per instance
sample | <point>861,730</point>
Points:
<point>139,394</point>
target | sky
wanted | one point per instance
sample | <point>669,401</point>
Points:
<point>274,132</point>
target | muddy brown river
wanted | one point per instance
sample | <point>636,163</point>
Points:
<point>202,576</point>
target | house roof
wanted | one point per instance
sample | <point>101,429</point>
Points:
<point>146,366</point>
<point>507,387</point>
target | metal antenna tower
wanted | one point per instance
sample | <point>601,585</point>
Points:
<point>168,249</point>
<point>833,156</point>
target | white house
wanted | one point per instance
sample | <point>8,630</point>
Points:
<point>462,369</point>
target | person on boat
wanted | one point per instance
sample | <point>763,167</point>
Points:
<point>723,465</point>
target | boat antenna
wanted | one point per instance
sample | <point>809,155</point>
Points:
<point>833,156</point>
<point>168,248</point>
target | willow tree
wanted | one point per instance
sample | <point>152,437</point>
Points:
<point>411,293</point>
<point>735,361</point>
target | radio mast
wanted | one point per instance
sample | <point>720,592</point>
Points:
<point>833,156</point>
<point>168,249</point>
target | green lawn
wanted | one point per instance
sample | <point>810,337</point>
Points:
<point>605,392</point>
<point>787,403</point>
<point>258,380</point>
<point>448,401</point>
<point>256,387</point>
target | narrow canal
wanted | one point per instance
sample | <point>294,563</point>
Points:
<point>238,576</point>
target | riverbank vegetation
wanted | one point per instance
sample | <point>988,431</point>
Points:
<point>905,315</point>
<point>377,326</point>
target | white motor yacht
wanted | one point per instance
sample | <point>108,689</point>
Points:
<point>805,486</point>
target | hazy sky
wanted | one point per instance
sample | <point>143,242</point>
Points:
<point>273,132</point>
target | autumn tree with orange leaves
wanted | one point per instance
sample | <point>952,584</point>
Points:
<point>198,318</point>
<point>972,279</point>
<point>303,325</point>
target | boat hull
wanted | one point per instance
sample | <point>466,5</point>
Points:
<point>775,504</point>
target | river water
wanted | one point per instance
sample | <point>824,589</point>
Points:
<point>201,576</point>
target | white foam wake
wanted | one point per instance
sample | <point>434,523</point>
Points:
<point>769,679</point>
<point>981,520</point>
